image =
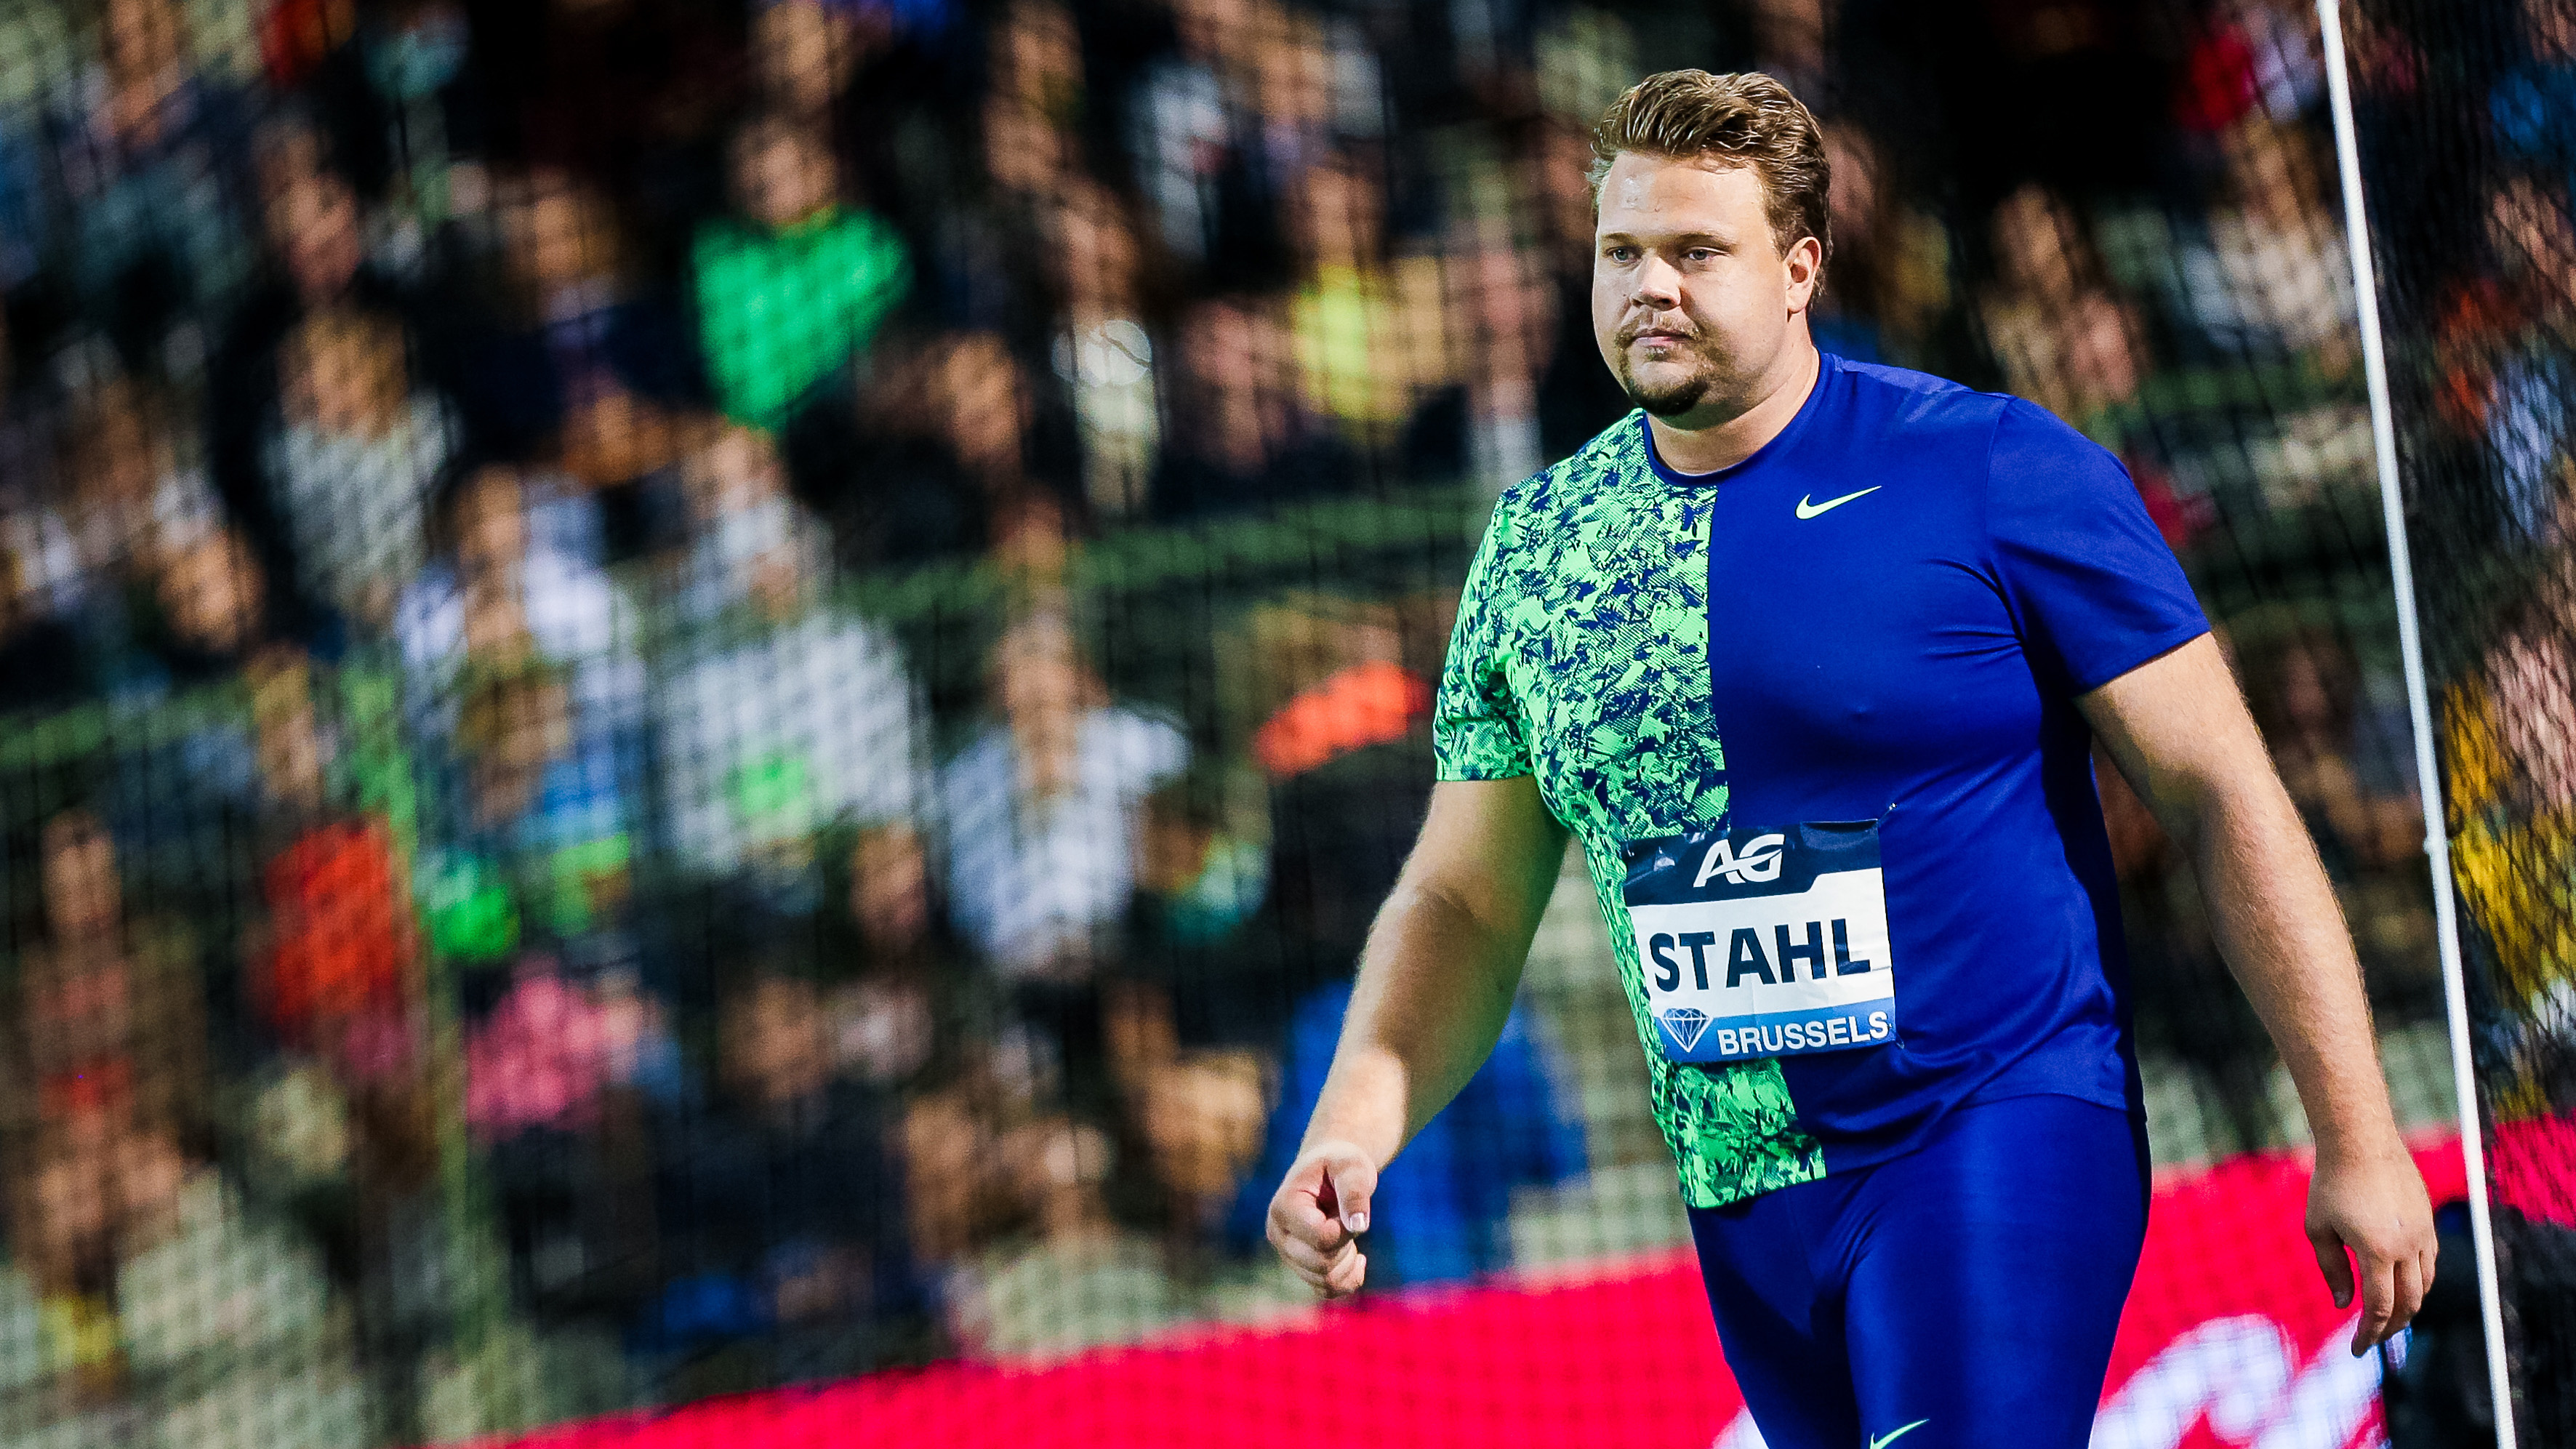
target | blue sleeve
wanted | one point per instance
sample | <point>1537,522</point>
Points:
<point>2092,586</point>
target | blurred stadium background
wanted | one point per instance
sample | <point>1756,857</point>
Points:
<point>698,698</point>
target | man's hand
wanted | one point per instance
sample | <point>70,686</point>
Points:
<point>1318,1214</point>
<point>1436,982</point>
<point>2373,1205</point>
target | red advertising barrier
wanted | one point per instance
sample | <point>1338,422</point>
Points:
<point>2230,1342</point>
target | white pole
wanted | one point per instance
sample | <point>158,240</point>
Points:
<point>2428,782</point>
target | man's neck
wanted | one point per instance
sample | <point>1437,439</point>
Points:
<point>1724,444</point>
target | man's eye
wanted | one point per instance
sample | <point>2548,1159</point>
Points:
<point>1622,254</point>
<point>1702,254</point>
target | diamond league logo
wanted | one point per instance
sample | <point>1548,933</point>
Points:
<point>1684,1024</point>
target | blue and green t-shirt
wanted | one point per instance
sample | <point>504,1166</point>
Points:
<point>1885,614</point>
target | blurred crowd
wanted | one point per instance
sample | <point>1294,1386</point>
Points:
<point>2467,118</point>
<point>2484,307</point>
<point>494,924</point>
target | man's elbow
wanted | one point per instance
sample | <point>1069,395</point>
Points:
<point>1440,904</point>
<point>2248,816</point>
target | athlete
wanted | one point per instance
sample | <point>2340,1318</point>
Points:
<point>1809,658</point>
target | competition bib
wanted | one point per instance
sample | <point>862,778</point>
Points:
<point>1764,943</point>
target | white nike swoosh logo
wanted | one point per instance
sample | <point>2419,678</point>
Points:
<point>1809,509</point>
<point>1893,1434</point>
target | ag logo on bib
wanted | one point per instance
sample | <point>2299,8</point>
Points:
<point>1764,943</point>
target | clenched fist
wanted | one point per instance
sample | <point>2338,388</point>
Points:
<point>1319,1212</point>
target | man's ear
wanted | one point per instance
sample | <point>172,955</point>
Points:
<point>1805,260</point>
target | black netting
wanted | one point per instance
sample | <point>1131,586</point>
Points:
<point>698,697</point>
<point>2467,119</point>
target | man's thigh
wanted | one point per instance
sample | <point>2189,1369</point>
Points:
<point>1986,1275</point>
<point>1780,1323</point>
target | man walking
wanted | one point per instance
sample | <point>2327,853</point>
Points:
<point>1809,657</point>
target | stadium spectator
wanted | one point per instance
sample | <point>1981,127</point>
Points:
<point>1369,331</point>
<point>1342,734</point>
<point>1190,145</point>
<point>2061,337</point>
<point>524,680</point>
<point>1042,814</point>
<point>2533,106</point>
<point>942,464</point>
<point>516,557</point>
<point>1495,291</point>
<point>2341,742</point>
<point>111,1034</point>
<point>790,293</point>
<point>1577,397</point>
<point>1890,284</point>
<point>335,953</point>
<point>804,52</point>
<point>45,586</point>
<point>314,257</point>
<point>782,1215</point>
<point>402,107</point>
<point>1242,439</point>
<point>562,1076</point>
<point>783,724</point>
<point>136,504</point>
<point>1030,141</point>
<point>578,332</point>
<point>549,1050</point>
<point>2507,725</point>
<point>353,458</point>
<point>147,194</point>
<point>2529,426</point>
<point>2338,748</point>
<point>345,1115</point>
<point>1041,810</point>
<point>1103,354</point>
<point>2267,282</point>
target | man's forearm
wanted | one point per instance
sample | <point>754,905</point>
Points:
<point>2282,932</point>
<point>2184,739</point>
<point>1435,984</point>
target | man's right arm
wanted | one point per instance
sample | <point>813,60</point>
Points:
<point>1436,982</point>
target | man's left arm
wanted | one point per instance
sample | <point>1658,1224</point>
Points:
<point>2180,732</point>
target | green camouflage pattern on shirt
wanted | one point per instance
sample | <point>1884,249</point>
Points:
<point>1581,656</point>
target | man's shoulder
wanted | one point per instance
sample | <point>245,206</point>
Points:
<point>1931,419</point>
<point>1615,457</point>
<point>1919,408</point>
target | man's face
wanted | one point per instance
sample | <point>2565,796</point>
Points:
<point>1692,301</point>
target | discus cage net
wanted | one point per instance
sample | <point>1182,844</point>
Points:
<point>2468,145</point>
<point>700,697</point>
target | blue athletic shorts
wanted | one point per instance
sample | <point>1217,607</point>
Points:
<point>1962,1296</point>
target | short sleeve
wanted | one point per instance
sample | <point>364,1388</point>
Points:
<point>1478,731</point>
<point>2092,585</point>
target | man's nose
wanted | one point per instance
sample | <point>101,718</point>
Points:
<point>1659,283</point>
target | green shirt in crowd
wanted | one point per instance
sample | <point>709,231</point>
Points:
<point>779,310</point>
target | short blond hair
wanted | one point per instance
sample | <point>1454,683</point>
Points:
<point>1743,119</point>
